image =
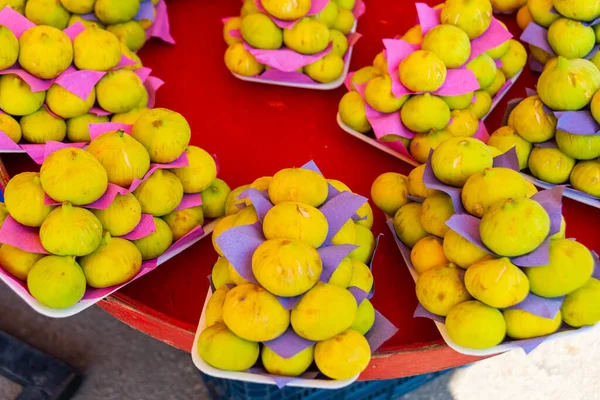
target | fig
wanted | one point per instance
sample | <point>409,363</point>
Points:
<point>78,6</point>
<point>463,123</point>
<point>41,127</point>
<point>131,33</point>
<point>582,10</point>
<point>17,5</point>
<point>569,85</point>
<point>378,94</point>
<point>78,129</point>
<point>155,244</point>
<point>422,144</point>
<point>380,63</point>
<point>416,187</point>
<point>10,127</point>
<point>232,202</point>
<point>571,39</point>
<point>220,277</point>
<point>472,16</point>
<point>498,283</point>
<point>506,138</point>
<point>86,23</point>
<point>365,317</point>
<point>345,20</point>
<point>531,122</point>
<point>346,235</point>
<point>485,188</point>
<point>347,4</point>
<point>200,172</point>
<point>514,60</point>
<point>70,231</point>
<point>214,307</point>
<point>18,262</point>
<point>440,288</point>
<point>259,31</point>
<point>427,253</point>
<point>550,165</point>
<point>261,183</point>
<point>586,177</point>
<point>459,102</point>
<point>482,105</point>
<point>326,69</point>
<point>160,194</point>
<point>514,227</point>
<point>120,91</point>
<point>293,366</point>
<point>254,314</point>
<point>286,267</point>
<point>239,61</point>
<point>235,276</point>
<point>366,244</point>
<point>297,221</point>
<point>10,47</point>
<point>329,14</point>
<point>16,97</point>
<point>287,10</point>
<point>164,133</point>
<point>389,192</point>
<point>456,159</point>
<point>580,307</point>
<point>73,175</point>
<point>129,117</point>
<point>425,112</point>
<point>521,324</point>
<point>343,356</point>
<point>541,55</point>
<point>449,43</point>
<point>461,252</point>
<point>499,82</point>
<point>542,12</point>
<point>47,12</point>
<point>45,52</point>
<point>56,282</point>
<point>122,216</point>
<point>114,262</point>
<point>184,221</point>
<point>222,349</point>
<point>352,112</point>
<point>300,185</point>
<point>323,312</point>
<point>484,69</point>
<point>497,52</point>
<point>407,224</point>
<point>339,42</point>
<point>475,325</point>
<point>116,11</point>
<point>249,7</point>
<point>364,75</point>
<point>307,36</point>
<point>414,35</point>
<point>422,71</point>
<point>24,199</point>
<point>434,213</point>
<point>571,266</point>
<point>362,277</point>
<point>343,273</point>
<point>214,198</point>
<point>67,105</point>
<point>581,147</point>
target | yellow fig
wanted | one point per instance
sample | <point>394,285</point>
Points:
<point>531,122</point>
<point>45,51</point>
<point>456,159</point>
<point>259,31</point>
<point>449,43</point>
<point>498,283</point>
<point>18,262</point>
<point>352,112</point>
<point>239,61</point>
<point>506,138</point>
<point>222,349</point>
<point>56,282</point>
<point>343,356</point>
<point>157,242</point>
<point>586,177</point>
<point>422,144</point>
<point>389,192</point>
<point>287,10</point>
<point>407,224</point>
<point>425,112</point>
<point>298,184</point>
<point>160,194</point>
<point>440,288</point>
<point>475,325</point>
<point>120,91</point>
<point>550,165</point>
<point>67,105</point>
<point>41,127</point>
<point>579,308</point>
<point>24,199</point>
<point>434,213</point>
<point>482,105</point>
<point>427,253</point>
<point>214,198</point>
<point>297,221</point>
<point>78,129</point>
<point>10,127</point>
<point>200,172</point>
<point>473,17</point>
<point>184,221</point>
<point>10,47</point>
<point>292,366</point>
<point>220,275</point>
<point>521,324</point>
<point>416,187</point>
<point>461,252</point>
<point>422,71</point>
<point>115,11</point>
<point>121,216</point>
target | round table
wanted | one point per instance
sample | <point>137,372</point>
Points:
<point>255,130</point>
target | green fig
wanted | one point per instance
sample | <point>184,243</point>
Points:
<point>47,12</point>
<point>200,172</point>
<point>484,69</point>
<point>79,6</point>
<point>157,242</point>
<point>67,105</point>
<point>131,33</point>
<point>120,91</point>
<point>57,282</point>
<point>550,165</point>
<point>449,43</point>
<point>116,11</point>
<point>542,12</point>
<point>121,216</point>
<point>571,39</point>
<point>78,129</point>
<point>160,194</point>
<point>586,177</point>
<point>581,147</point>
<point>16,97</point>
<point>96,49</point>
<point>41,127</point>
<point>45,52</point>
<point>482,105</point>
<point>308,36</point>
<point>582,10</point>
<point>580,307</point>
<point>183,221</point>
<point>259,31</point>
<point>426,112</point>
<point>214,198</point>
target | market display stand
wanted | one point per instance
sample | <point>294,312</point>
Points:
<point>255,130</point>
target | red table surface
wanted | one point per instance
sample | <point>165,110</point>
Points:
<point>256,130</point>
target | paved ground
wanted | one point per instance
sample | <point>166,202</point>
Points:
<point>118,362</point>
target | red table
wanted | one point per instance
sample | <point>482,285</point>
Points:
<point>258,129</point>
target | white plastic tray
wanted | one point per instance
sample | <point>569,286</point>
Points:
<point>315,86</point>
<point>501,348</point>
<point>570,193</point>
<point>87,303</point>
<point>409,160</point>
<point>251,377</point>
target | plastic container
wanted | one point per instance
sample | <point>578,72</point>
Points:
<point>251,377</point>
<point>22,292</point>
<point>409,160</point>
<point>501,348</point>
<point>373,390</point>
